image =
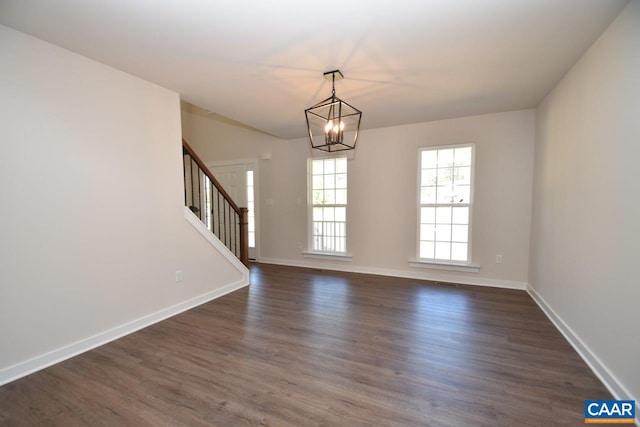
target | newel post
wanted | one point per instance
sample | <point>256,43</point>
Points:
<point>244,236</point>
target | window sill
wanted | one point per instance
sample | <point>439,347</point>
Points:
<point>443,265</point>
<point>328,256</point>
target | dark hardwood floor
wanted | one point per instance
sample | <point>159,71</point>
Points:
<point>303,347</point>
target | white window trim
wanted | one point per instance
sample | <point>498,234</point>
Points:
<point>440,264</point>
<point>346,257</point>
<point>309,252</point>
<point>443,265</point>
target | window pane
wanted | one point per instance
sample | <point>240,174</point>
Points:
<point>459,251</point>
<point>317,182</point>
<point>463,194</point>
<point>329,181</point>
<point>445,176</point>
<point>341,165</point>
<point>327,243</point>
<point>429,159</point>
<point>463,156</point>
<point>426,231</point>
<point>329,197</point>
<point>443,215</point>
<point>427,215</point>
<point>428,195</point>
<point>443,232</point>
<point>444,195</point>
<point>443,250</point>
<point>329,166</point>
<point>456,197</point>
<point>462,175</point>
<point>332,226</point>
<point>317,214</point>
<point>340,214</point>
<point>427,249</point>
<point>318,197</point>
<point>317,167</point>
<point>428,177</point>
<point>341,180</point>
<point>445,157</point>
<point>459,233</point>
<point>328,214</point>
<point>249,178</point>
<point>460,215</point>
<point>341,197</point>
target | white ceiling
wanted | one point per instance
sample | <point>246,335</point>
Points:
<point>261,62</point>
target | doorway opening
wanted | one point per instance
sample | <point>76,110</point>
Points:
<point>239,178</point>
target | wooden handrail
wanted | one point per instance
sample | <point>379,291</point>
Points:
<point>208,173</point>
<point>243,215</point>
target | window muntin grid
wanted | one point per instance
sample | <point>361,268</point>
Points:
<point>328,203</point>
<point>444,203</point>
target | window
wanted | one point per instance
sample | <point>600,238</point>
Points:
<point>328,205</point>
<point>444,203</point>
<point>251,210</point>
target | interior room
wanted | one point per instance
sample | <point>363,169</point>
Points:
<point>180,245</point>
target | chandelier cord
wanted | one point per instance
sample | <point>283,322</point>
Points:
<point>333,84</point>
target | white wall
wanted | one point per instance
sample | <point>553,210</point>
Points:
<point>586,210</point>
<point>92,227</point>
<point>382,192</point>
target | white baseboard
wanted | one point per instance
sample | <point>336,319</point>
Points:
<point>35,364</point>
<point>610,381</point>
<point>419,274</point>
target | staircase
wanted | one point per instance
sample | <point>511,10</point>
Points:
<point>206,198</point>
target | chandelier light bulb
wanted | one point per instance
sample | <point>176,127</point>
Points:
<point>328,127</point>
<point>334,128</point>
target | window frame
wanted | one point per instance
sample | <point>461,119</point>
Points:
<point>251,207</point>
<point>441,261</point>
<point>310,251</point>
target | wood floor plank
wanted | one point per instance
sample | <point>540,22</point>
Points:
<point>304,347</point>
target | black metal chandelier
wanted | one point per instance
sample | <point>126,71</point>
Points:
<point>333,124</point>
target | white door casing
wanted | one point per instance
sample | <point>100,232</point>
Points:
<point>232,175</point>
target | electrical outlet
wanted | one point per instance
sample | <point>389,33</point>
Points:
<point>499,259</point>
<point>178,276</point>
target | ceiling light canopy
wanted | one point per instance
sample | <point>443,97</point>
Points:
<point>333,124</point>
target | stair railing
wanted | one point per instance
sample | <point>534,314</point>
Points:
<point>206,198</point>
